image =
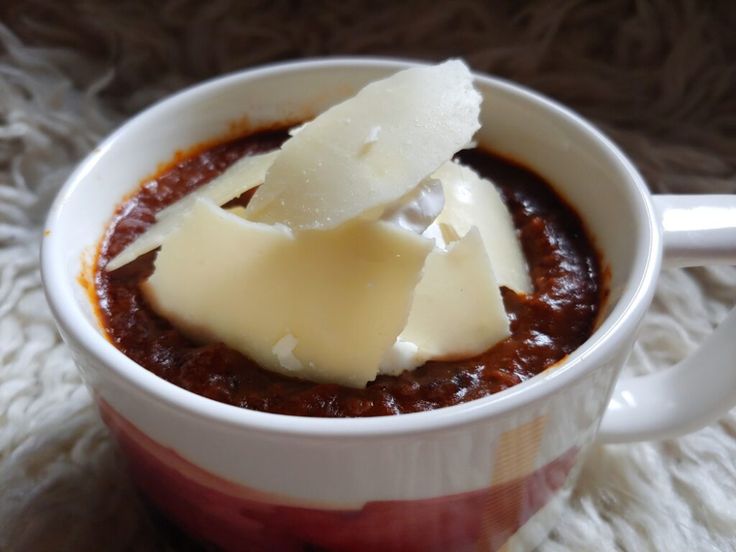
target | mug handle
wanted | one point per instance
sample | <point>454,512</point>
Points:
<point>697,230</point>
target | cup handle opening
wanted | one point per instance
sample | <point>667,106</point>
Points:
<point>697,230</point>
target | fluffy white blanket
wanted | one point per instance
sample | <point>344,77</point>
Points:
<point>658,76</point>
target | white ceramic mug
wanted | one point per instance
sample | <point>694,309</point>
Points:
<point>485,475</point>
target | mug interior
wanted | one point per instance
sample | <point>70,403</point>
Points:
<point>583,166</point>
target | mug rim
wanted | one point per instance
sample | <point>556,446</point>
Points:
<point>609,337</point>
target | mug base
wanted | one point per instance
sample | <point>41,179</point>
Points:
<point>514,515</point>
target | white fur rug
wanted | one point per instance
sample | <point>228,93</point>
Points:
<point>658,76</point>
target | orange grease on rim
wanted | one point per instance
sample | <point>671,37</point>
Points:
<point>86,279</point>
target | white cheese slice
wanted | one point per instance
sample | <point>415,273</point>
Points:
<point>419,208</point>
<point>340,297</point>
<point>472,201</point>
<point>246,173</point>
<point>293,131</point>
<point>238,211</point>
<point>326,174</point>
<point>372,137</point>
<point>403,355</point>
<point>284,351</point>
<point>457,310</point>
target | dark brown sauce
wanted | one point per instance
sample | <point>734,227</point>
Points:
<point>546,325</point>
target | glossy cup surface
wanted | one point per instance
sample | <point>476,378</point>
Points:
<point>489,473</point>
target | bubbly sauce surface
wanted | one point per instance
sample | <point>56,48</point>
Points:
<point>546,325</point>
